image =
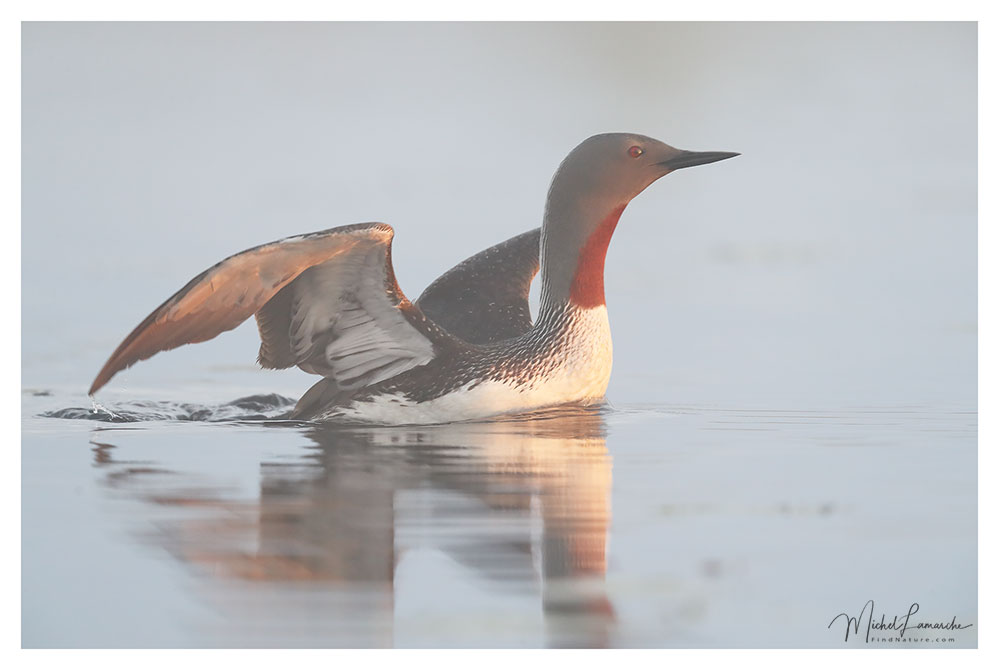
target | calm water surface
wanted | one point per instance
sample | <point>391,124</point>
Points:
<point>615,526</point>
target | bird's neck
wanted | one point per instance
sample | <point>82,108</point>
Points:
<point>574,243</point>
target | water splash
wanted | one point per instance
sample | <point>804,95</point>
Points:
<point>250,408</point>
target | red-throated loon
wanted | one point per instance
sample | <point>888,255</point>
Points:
<point>329,303</point>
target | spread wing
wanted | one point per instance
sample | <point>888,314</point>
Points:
<point>327,302</point>
<point>485,298</point>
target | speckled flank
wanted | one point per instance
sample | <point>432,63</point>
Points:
<point>564,359</point>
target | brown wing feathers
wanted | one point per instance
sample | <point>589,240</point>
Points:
<point>225,295</point>
<point>272,322</point>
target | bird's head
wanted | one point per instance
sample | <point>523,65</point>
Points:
<point>607,171</point>
<point>589,192</point>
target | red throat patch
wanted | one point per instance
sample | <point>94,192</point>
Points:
<point>587,289</point>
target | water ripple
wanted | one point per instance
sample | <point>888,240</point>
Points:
<point>251,408</point>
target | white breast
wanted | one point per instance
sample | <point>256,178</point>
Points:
<point>579,373</point>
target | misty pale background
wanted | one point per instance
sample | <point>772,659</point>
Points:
<point>830,270</point>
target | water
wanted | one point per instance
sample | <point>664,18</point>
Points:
<point>625,526</point>
<point>792,427</point>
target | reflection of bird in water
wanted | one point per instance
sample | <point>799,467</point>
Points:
<point>328,302</point>
<point>524,503</point>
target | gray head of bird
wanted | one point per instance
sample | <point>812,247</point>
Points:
<point>607,171</point>
<point>588,193</point>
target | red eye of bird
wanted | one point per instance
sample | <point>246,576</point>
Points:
<point>635,151</point>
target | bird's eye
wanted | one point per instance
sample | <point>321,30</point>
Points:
<point>635,151</point>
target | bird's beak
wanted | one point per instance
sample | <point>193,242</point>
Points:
<point>685,159</point>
